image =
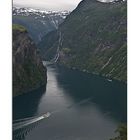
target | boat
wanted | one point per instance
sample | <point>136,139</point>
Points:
<point>47,115</point>
<point>109,80</point>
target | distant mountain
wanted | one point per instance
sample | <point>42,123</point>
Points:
<point>28,70</point>
<point>38,22</point>
<point>92,38</point>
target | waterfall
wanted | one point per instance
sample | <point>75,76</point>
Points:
<point>55,59</point>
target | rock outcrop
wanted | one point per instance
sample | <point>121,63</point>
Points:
<point>28,70</point>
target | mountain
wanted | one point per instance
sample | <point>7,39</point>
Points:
<point>92,38</point>
<point>38,22</point>
<point>28,70</point>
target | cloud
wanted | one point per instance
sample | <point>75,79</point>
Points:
<point>48,4</point>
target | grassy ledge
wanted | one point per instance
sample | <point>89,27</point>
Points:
<point>19,27</point>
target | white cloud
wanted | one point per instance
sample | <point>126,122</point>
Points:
<point>48,4</point>
<point>106,0</point>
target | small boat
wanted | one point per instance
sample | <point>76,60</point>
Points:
<point>109,80</point>
<point>47,115</point>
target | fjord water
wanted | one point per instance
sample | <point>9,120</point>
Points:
<point>82,106</point>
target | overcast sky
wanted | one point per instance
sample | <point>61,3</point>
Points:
<point>48,4</point>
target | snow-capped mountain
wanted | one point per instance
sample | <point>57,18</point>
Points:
<point>37,12</point>
<point>38,22</point>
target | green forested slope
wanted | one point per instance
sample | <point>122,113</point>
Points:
<point>93,38</point>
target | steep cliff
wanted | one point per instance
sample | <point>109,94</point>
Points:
<point>28,70</point>
<point>93,38</point>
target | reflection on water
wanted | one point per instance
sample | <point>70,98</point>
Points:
<point>26,105</point>
<point>83,106</point>
<point>109,96</point>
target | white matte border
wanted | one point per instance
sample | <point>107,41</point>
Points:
<point>5,70</point>
<point>133,70</point>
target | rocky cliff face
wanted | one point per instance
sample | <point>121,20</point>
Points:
<point>93,38</point>
<point>28,70</point>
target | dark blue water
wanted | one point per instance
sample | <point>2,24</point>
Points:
<point>83,106</point>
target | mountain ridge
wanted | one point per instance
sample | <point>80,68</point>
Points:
<point>38,22</point>
<point>94,39</point>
